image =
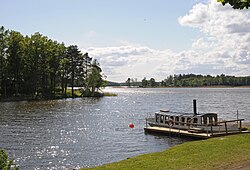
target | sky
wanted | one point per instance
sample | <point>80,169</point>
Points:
<point>142,38</point>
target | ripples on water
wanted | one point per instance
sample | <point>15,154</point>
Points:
<point>59,134</point>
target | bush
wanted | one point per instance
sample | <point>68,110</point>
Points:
<point>6,164</point>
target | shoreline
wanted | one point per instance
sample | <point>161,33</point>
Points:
<point>188,154</point>
<point>219,86</point>
<point>19,99</point>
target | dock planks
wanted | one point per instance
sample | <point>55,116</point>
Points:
<point>170,131</point>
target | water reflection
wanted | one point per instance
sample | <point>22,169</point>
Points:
<point>58,134</point>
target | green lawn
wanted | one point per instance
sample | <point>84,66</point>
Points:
<point>214,153</point>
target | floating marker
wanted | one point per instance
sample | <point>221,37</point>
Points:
<point>131,125</point>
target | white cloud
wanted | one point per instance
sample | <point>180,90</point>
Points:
<point>223,48</point>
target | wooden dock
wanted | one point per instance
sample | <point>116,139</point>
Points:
<point>186,133</point>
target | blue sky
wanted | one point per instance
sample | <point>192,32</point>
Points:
<point>142,38</point>
<point>102,23</point>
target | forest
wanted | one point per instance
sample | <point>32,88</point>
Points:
<point>192,80</point>
<point>37,67</point>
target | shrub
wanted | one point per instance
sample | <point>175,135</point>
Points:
<point>5,163</point>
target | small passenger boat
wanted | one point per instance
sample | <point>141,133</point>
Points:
<point>192,122</point>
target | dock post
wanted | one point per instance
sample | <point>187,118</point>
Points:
<point>237,118</point>
<point>212,130</point>
<point>240,126</point>
<point>226,127</point>
<point>179,129</point>
<point>207,129</point>
<point>170,131</point>
<point>195,107</point>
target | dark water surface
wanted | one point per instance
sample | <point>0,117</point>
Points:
<point>59,134</point>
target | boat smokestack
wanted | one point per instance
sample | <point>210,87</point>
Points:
<point>195,107</point>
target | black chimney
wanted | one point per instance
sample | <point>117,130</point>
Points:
<point>195,107</point>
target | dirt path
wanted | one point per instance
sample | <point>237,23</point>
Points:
<point>242,166</point>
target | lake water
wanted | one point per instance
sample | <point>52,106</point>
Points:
<point>71,133</point>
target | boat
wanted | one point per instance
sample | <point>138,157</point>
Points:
<point>191,123</point>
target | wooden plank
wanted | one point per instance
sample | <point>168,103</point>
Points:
<point>232,121</point>
<point>189,134</point>
<point>177,131</point>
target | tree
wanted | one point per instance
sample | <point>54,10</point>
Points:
<point>144,82</point>
<point>236,4</point>
<point>86,64</point>
<point>94,81</point>
<point>3,48</point>
<point>14,61</point>
<point>128,82</point>
<point>36,65</point>
<point>73,55</point>
<point>55,51</point>
<point>152,82</point>
<point>170,80</point>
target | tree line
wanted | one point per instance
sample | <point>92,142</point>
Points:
<point>38,67</point>
<point>192,80</point>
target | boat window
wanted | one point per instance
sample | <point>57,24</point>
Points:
<point>195,121</point>
<point>172,117</point>
<point>210,119</point>
<point>188,120</point>
<point>166,119</point>
<point>162,118</point>
<point>183,120</point>
<point>207,120</point>
<point>213,120</point>
<point>177,120</point>
<point>156,117</point>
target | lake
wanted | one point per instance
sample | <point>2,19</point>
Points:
<point>85,132</point>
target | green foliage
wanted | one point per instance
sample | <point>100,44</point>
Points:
<point>149,83</point>
<point>3,62</point>
<point>144,82</point>
<point>216,153</point>
<point>34,67</point>
<point>131,82</point>
<point>94,80</point>
<point>5,163</point>
<point>236,4</point>
<point>192,80</point>
<point>75,62</point>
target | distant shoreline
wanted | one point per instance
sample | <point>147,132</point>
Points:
<point>219,86</point>
<point>18,99</point>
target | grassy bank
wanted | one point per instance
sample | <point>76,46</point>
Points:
<point>78,93</point>
<point>216,153</point>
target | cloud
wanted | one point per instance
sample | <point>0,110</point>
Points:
<point>130,61</point>
<point>223,48</point>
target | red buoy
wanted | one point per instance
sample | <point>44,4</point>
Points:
<point>131,125</point>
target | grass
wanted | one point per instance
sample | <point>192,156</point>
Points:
<point>109,94</point>
<point>215,153</point>
<point>78,93</point>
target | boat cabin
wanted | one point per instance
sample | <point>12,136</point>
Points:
<point>180,119</point>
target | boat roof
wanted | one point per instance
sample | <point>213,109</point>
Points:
<point>171,113</point>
